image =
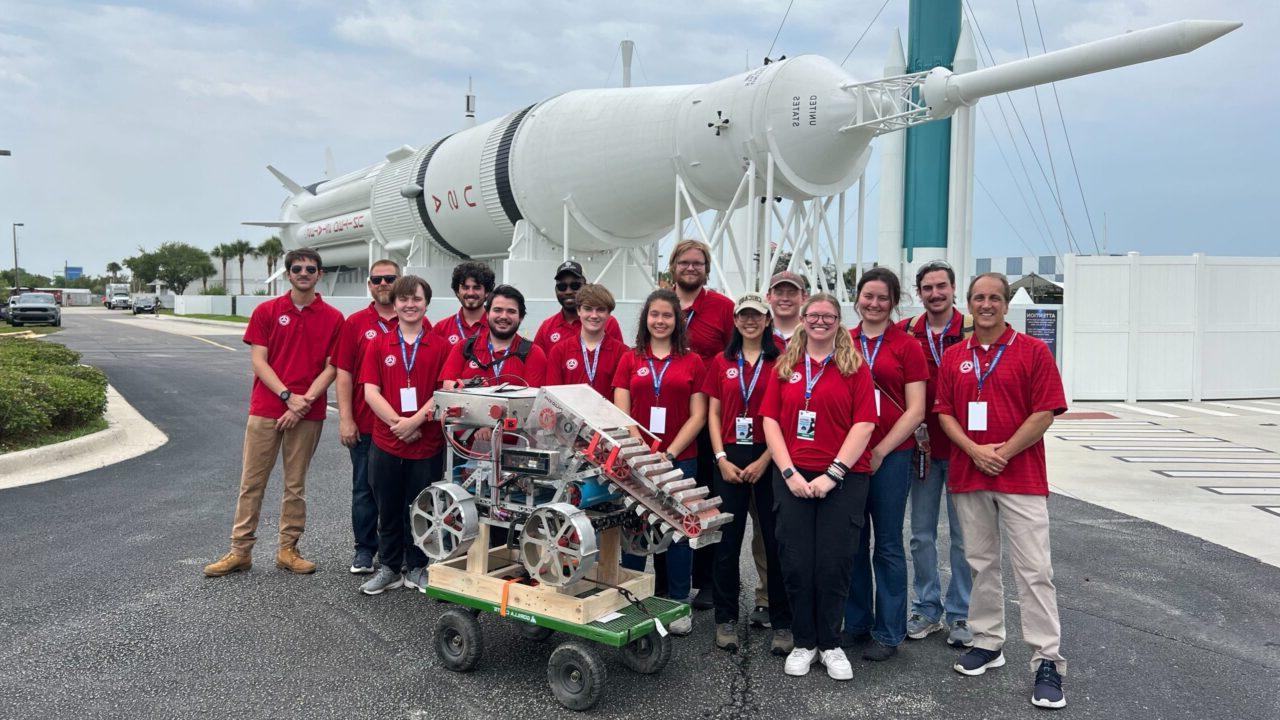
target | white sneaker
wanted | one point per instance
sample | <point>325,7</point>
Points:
<point>800,659</point>
<point>681,626</point>
<point>838,667</point>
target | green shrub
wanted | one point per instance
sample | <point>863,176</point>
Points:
<point>84,373</point>
<point>43,388</point>
<point>22,410</point>
<point>36,351</point>
<point>215,290</point>
<point>74,401</point>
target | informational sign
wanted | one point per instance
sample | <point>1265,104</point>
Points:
<point>74,273</point>
<point>1043,325</point>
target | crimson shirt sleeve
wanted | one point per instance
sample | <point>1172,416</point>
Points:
<point>613,330</point>
<point>622,376</point>
<point>555,367</point>
<point>452,369</point>
<point>343,356</point>
<point>370,364</point>
<point>333,337</point>
<point>711,385</point>
<point>542,338</point>
<point>1046,383</point>
<point>914,366</point>
<point>535,367</point>
<point>771,403</point>
<point>699,372</point>
<point>864,396</point>
<point>258,331</point>
<point>943,403</point>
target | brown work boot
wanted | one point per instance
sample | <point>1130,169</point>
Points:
<point>289,559</point>
<point>227,564</point>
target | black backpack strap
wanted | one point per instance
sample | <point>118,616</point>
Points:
<point>469,351</point>
<point>523,349</point>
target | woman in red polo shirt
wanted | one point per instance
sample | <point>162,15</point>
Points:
<point>899,371</point>
<point>659,384</point>
<point>819,412</point>
<point>590,356</point>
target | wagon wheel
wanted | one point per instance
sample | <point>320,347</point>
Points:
<point>458,640</point>
<point>444,521</point>
<point>558,545</point>
<point>576,674</point>
<point>647,655</point>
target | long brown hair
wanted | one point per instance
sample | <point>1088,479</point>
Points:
<point>679,337</point>
<point>847,359</point>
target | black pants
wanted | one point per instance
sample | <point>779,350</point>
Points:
<point>736,498</point>
<point>817,539</point>
<point>396,483</point>
<point>704,558</point>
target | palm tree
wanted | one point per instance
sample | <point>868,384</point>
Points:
<point>113,268</point>
<point>223,253</point>
<point>271,248</point>
<point>239,249</point>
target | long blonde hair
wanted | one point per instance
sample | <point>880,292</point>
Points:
<point>846,357</point>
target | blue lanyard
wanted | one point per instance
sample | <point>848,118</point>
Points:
<point>495,362</point>
<point>982,376</point>
<point>384,327</point>
<point>871,356</point>
<point>587,365</point>
<point>928,334</point>
<point>657,377</point>
<point>688,317</point>
<point>409,360</point>
<point>742,385</point>
<point>809,381</point>
<point>462,331</point>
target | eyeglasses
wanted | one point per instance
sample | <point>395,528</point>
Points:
<point>574,286</point>
<point>308,269</point>
<point>690,264</point>
<point>382,279</point>
<point>820,318</point>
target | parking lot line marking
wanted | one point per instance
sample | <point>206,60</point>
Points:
<point>1144,411</point>
<point>1105,423</point>
<point>1240,474</point>
<point>203,340</point>
<point>1166,448</point>
<point>1126,431</point>
<point>1269,509</point>
<point>1194,408</point>
<point>1266,402</point>
<point>1068,435</point>
<point>1239,490</point>
<point>1198,460</point>
<point>1265,411</point>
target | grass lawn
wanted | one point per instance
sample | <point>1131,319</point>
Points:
<point>7,329</point>
<point>228,318</point>
<point>52,436</point>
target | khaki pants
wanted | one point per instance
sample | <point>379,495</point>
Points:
<point>757,553</point>
<point>262,443</point>
<point>1026,522</point>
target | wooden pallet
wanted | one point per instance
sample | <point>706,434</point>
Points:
<point>483,573</point>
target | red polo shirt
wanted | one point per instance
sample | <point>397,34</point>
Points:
<point>840,401</point>
<point>1025,381</point>
<point>557,328</point>
<point>939,443</point>
<point>361,328</point>
<point>383,365</point>
<point>709,322</point>
<point>899,361</point>
<point>532,369</point>
<point>726,384</point>
<point>683,378</point>
<point>454,329</point>
<point>567,364</point>
<point>299,343</point>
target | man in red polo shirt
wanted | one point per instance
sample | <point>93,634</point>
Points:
<point>566,323</point>
<point>998,392</point>
<point>471,283</point>
<point>500,354</point>
<point>291,337</point>
<point>355,418</point>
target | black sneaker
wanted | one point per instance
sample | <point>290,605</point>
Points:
<point>977,660</point>
<point>760,617</point>
<point>1048,690</point>
<point>703,600</point>
<point>879,652</point>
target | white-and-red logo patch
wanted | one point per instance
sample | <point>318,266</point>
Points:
<point>284,320</point>
<point>642,371</point>
<point>370,334</point>
<point>731,373</point>
<point>795,377</point>
<point>571,364</point>
<point>555,337</point>
<point>966,366</point>
<point>453,339</point>
<point>389,361</point>
<point>474,365</point>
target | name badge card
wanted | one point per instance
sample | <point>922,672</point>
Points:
<point>806,424</point>
<point>744,430</point>
<point>977,416</point>
<point>877,402</point>
<point>408,400</point>
<point>657,420</point>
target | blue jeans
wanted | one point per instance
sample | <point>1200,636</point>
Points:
<point>883,611</point>
<point>673,569</point>
<point>364,508</point>
<point>926,501</point>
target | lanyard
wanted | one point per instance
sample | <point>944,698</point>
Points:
<point>497,364</point>
<point>384,327</point>
<point>809,381</point>
<point>657,376</point>
<point>982,376</point>
<point>587,365</point>
<point>462,331</point>
<point>870,356</point>
<point>409,360</point>
<point>928,334</point>
<point>688,317</point>
<point>747,391</point>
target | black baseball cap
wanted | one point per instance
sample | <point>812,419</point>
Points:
<point>572,267</point>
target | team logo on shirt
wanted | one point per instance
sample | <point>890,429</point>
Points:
<point>571,363</point>
<point>453,339</point>
<point>731,373</point>
<point>555,337</point>
<point>370,334</point>
<point>795,377</point>
<point>474,365</point>
<point>389,361</point>
<point>284,320</point>
<point>642,372</point>
<point>966,366</point>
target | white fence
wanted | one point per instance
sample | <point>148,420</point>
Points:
<point>1170,328</point>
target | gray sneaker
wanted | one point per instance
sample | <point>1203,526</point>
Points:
<point>384,579</point>
<point>416,578</point>
<point>961,635</point>
<point>919,627</point>
<point>681,626</point>
<point>727,637</point>
<point>783,643</point>
<point>760,617</point>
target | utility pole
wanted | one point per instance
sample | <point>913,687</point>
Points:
<point>17,276</point>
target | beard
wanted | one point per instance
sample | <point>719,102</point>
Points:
<point>383,298</point>
<point>503,335</point>
<point>690,287</point>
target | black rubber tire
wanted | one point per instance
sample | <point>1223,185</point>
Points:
<point>647,655</point>
<point>577,675</point>
<point>459,643</point>
<point>536,633</point>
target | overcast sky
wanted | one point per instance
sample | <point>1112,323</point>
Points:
<point>136,123</point>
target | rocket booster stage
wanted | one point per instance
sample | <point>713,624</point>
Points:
<point>609,158</point>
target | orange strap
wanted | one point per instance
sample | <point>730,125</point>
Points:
<point>506,589</point>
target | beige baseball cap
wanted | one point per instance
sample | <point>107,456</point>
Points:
<point>751,301</point>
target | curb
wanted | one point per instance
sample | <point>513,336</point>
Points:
<point>127,436</point>
<point>203,321</point>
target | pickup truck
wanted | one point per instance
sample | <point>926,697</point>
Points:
<point>120,301</point>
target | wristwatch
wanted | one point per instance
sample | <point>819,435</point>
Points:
<point>285,395</point>
<point>786,474</point>
<point>721,455</point>
<point>670,458</point>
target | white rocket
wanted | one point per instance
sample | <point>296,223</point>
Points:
<point>604,163</point>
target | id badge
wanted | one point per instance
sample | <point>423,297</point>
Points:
<point>408,400</point>
<point>977,416</point>
<point>744,428</point>
<point>657,420</point>
<point>877,402</point>
<point>806,424</point>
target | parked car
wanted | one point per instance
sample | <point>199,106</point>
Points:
<point>6,308</point>
<point>35,308</point>
<point>146,304</point>
<point>120,301</point>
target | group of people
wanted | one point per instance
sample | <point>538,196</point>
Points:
<point>822,435</point>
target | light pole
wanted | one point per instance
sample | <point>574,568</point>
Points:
<point>17,277</point>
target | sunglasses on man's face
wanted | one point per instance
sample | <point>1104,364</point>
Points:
<point>308,269</point>
<point>574,286</point>
<point>382,279</point>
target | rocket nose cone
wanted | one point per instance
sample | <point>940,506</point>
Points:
<point>1198,33</point>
